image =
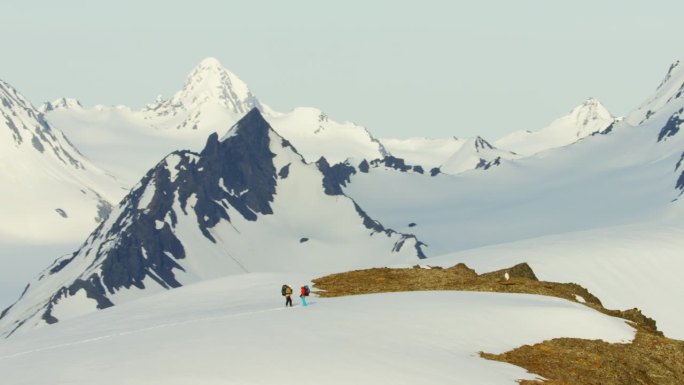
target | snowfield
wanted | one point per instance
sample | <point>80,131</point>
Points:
<point>625,267</point>
<point>236,330</point>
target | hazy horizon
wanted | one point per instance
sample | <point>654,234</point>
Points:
<point>435,69</point>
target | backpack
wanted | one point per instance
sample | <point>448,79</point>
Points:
<point>283,290</point>
<point>306,291</point>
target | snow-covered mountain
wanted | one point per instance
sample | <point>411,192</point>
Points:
<point>587,119</point>
<point>211,100</point>
<point>211,95</point>
<point>60,103</point>
<point>476,153</point>
<point>605,212</point>
<point>49,190</point>
<point>247,202</point>
<point>668,94</point>
<point>316,135</point>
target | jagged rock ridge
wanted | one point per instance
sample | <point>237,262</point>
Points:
<point>200,215</point>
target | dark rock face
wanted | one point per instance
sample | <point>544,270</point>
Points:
<point>93,289</point>
<point>62,213</point>
<point>484,165</point>
<point>371,223</point>
<point>364,167</point>
<point>606,130</point>
<point>245,163</point>
<point>395,163</point>
<point>284,172</point>
<point>672,126</point>
<point>418,245</point>
<point>481,144</point>
<point>680,181</point>
<point>335,177</point>
<point>435,171</point>
<point>237,173</point>
<point>392,162</point>
<point>104,208</point>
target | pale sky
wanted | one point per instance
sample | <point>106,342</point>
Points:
<point>424,68</point>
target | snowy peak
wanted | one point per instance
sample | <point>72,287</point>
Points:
<point>589,116</point>
<point>59,104</point>
<point>253,125</point>
<point>210,82</point>
<point>315,134</point>
<point>476,153</point>
<point>11,98</point>
<point>29,132</point>
<point>587,119</point>
<point>211,96</point>
<point>12,104</point>
<point>670,89</point>
<point>672,71</point>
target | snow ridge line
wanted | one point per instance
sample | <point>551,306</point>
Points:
<point>137,331</point>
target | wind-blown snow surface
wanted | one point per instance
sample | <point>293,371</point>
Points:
<point>236,330</point>
<point>584,120</point>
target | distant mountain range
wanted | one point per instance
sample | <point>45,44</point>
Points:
<point>243,188</point>
<point>213,99</point>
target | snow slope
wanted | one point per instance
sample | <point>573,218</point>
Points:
<point>236,330</point>
<point>476,153</point>
<point>668,93</point>
<point>429,153</point>
<point>627,176</point>
<point>247,202</point>
<point>316,135</point>
<point>584,120</point>
<point>121,140</point>
<point>49,192</point>
<point>626,266</point>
